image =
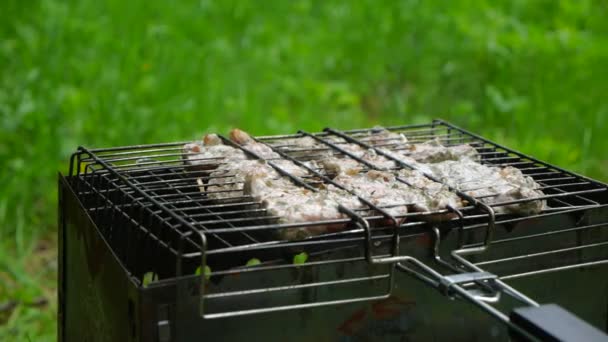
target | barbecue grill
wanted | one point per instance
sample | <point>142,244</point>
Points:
<point>147,255</point>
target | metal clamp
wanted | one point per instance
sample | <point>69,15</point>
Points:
<point>447,282</point>
<point>362,223</point>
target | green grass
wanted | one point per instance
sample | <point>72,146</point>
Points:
<point>529,74</point>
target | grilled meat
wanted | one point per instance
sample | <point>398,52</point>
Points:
<point>401,192</point>
<point>380,137</point>
<point>209,153</point>
<point>227,179</point>
<point>492,185</point>
<point>339,164</point>
<point>433,151</point>
<point>293,204</point>
<point>398,192</point>
<point>396,144</point>
<point>438,196</point>
<point>308,147</point>
<point>278,195</point>
<point>382,190</point>
<point>244,139</point>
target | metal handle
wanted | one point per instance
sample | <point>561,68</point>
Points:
<point>531,323</point>
<point>453,286</point>
<point>551,322</point>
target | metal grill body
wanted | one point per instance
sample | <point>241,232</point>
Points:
<point>127,212</point>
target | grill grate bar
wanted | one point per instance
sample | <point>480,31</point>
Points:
<point>544,253</point>
<point>544,187</point>
<point>365,131</point>
<point>559,188</point>
<point>221,205</point>
<point>296,286</point>
<point>144,157</point>
<point>99,151</point>
<point>508,164</point>
<point>512,220</point>
<point>109,154</point>
<point>554,269</point>
<point>552,196</point>
<point>559,179</point>
<point>245,211</point>
<point>170,171</point>
<point>312,263</point>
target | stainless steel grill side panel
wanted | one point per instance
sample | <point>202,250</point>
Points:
<point>98,300</point>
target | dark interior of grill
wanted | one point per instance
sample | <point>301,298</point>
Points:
<point>150,209</point>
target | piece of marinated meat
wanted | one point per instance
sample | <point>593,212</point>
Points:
<point>492,185</point>
<point>305,142</point>
<point>345,164</point>
<point>226,181</point>
<point>382,190</point>
<point>212,151</point>
<point>264,151</point>
<point>375,137</point>
<point>439,196</point>
<point>381,137</point>
<point>411,191</point>
<point>222,166</point>
<point>244,139</point>
<point>457,167</point>
<point>434,152</point>
<point>209,153</point>
<point>431,151</point>
<point>294,204</point>
<point>370,156</point>
<point>306,147</point>
<point>231,173</point>
<point>333,166</point>
<point>419,193</point>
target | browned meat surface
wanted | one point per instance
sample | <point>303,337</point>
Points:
<point>295,204</point>
<point>492,185</point>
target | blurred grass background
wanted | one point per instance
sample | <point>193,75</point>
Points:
<point>529,74</point>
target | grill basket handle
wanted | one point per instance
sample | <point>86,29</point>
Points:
<point>551,322</point>
<point>548,322</point>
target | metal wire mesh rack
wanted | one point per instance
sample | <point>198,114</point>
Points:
<point>159,216</point>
